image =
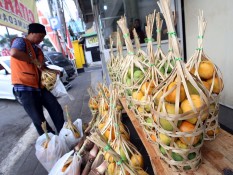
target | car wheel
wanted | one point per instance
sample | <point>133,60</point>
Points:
<point>17,97</point>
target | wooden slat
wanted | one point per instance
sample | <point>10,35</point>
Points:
<point>217,155</point>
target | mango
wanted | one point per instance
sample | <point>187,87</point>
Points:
<point>177,157</point>
<point>191,155</point>
<point>206,69</point>
<point>191,88</point>
<point>128,82</point>
<point>122,154</point>
<point>162,70</point>
<point>165,139</point>
<point>149,120</point>
<point>162,150</point>
<point>138,75</point>
<point>166,124</point>
<point>169,69</point>
<point>181,144</point>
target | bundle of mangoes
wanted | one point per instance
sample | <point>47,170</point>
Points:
<point>204,69</point>
<point>179,115</point>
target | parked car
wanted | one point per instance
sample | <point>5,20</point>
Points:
<point>57,58</point>
<point>6,88</point>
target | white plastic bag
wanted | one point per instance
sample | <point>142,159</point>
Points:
<point>73,169</point>
<point>68,135</point>
<point>59,89</point>
<point>55,150</point>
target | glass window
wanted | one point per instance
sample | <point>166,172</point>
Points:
<point>135,12</point>
<point>110,11</point>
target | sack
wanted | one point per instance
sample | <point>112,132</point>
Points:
<point>55,150</point>
<point>68,136</point>
<point>48,78</point>
<point>73,169</point>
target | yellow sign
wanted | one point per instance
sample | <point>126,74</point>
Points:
<point>17,14</point>
<point>92,41</point>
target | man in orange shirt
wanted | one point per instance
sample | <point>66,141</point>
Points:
<point>26,78</point>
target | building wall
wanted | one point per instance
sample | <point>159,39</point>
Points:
<point>217,40</point>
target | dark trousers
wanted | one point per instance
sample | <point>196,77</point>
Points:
<point>33,103</point>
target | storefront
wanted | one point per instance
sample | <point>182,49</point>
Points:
<point>107,23</point>
<point>106,13</point>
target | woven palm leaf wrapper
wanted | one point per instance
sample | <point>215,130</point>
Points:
<point>114,132</point>
<point>104,102</point>
<point>46,142</point>
<point>167,63</point>
<point>107,123</point>
<point>201,66</point>
<point>103,96</point>
<point>121,143</point>
<point>124,147</point>
<point>111,64</point>
<point>69,125</point>
<point>139,52</point>
<point>118,166</point>
<point>133,70</point>
<point>180,116</point>
<point>48,78</point>
<point>93,102</point>
<point>141,97</point>
<point>119,63</point>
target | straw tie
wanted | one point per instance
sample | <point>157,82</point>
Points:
<point>178,59</point>
<point>151,65</point>
<point>172,33</point>
<point>149,40</point>
<point>126,35</point>
<point>199,48</point>
<point>107,147</point>
<point>120,162</point>
<point>130,53</point>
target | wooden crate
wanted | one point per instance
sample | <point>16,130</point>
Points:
<point>217,155</point>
